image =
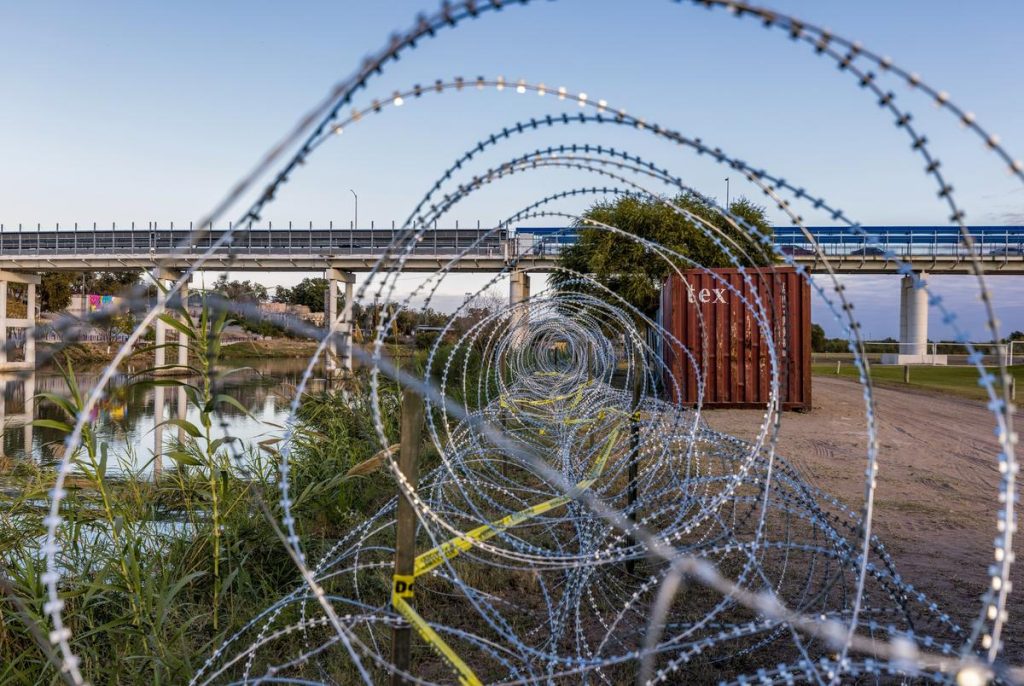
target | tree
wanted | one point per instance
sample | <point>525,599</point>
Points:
<point>55,289</point>
<point>406,320</point>
<point>240,291</point>
<point>114,324</point>
<point>817,338</point>
<point>631,270</point>
<point>105,283</point>
<point>309,292</point>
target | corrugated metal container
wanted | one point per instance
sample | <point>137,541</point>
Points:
<point>728,346</point>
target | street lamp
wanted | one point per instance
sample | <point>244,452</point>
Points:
<point>727,193</point>
<point>355,219</point>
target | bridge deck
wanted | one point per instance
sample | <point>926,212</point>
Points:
<point>933,249</point>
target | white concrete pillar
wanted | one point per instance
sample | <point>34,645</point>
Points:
<point>913,317</point>
<point>519,286</point>
<point>182,338</point>
<point>905,288</point>
<point>30,396</point>
<point>166,278</point>
<point>519,292</point>
<point>913,347</point>
<point>160,353</point>
<point>158,432</point>
<point>30,332</point>
<point>340,352</point>
<point>331,314</point>
<point>3,322</point>
<point>346,317</point>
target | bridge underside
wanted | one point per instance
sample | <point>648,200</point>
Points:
<point>284,262</point>
<point>276,263</point>
<point>853,264</point>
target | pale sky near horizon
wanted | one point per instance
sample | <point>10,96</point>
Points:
<point>151,111</point>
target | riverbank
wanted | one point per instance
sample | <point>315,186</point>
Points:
<point>268,348</point>
<point>84,355</point>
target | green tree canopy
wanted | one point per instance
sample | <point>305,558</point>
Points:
<point>106,283</point>
<point>240,291</point>
<point>55,289</point>
<point>309,292</point>
<point>634,272</point>
<point>817,338</point>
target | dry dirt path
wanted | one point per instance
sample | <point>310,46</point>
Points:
<point>936,497</point>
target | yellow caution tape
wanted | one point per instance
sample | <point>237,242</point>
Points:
<point>576,396</point>
<point>466,675</point>
<point>460,544</point>
<point>402,585</point>
<point>452,548</point>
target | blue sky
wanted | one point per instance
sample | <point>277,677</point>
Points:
<point>150,111</point>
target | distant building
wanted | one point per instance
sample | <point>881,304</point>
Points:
<point>82,305</point>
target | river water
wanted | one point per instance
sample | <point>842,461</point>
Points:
<point>126,418</point>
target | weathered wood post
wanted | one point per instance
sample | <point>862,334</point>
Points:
<point>906,373</point>
<point>839,365</point>
<point>590,360</point>
<point>634,459</point>
<point>405,537</point>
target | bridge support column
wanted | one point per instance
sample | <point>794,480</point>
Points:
<point>29,412</point>
<point>3,324</point>
<point>519,292</point>
<point>913,346</point>
<point>166,277</point>
<point>339,356</point>
<point>30,332</point>
<point>183,339</point>
<point>159,400</point>
<point>160,341</point>
<point>26,323</point>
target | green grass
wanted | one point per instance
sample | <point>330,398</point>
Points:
<point>960,381</point>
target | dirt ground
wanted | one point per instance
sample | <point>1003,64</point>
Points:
<point>937,483</point>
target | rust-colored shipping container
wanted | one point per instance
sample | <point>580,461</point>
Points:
<point>728,346</point>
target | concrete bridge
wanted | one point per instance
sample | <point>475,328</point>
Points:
<point>936,249</point>
<point>341,252</point>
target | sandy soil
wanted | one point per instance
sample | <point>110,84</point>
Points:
<point>937,485</point>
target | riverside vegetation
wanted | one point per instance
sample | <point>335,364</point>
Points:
<point>158,572</point>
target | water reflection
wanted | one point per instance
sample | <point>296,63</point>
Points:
<point>130,417</point>
<point>17,395</point>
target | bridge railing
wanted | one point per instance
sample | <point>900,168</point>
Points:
<point>839,242</point>
<point>250,241</point>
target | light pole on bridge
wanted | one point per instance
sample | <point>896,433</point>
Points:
<point>355,218</point>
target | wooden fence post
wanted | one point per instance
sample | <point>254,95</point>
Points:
<point>405,536</point>
<point>590,358</point>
